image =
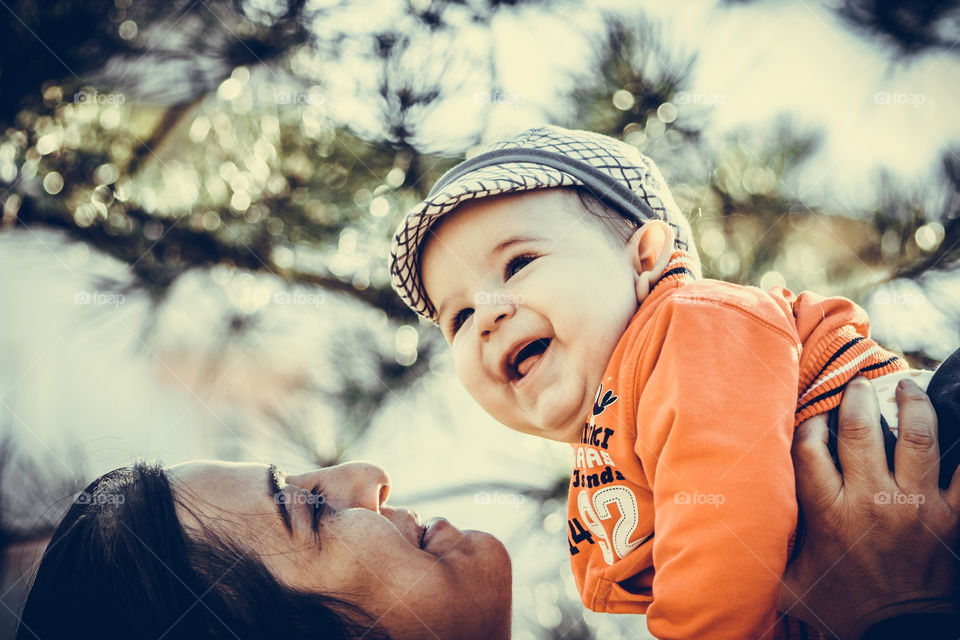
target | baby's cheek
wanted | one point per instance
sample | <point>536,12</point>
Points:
<point>467,366</point>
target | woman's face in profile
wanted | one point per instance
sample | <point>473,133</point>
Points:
<point>415,581</point>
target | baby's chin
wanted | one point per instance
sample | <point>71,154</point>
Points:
<point>571,434</point>
<point>563,430</point>
<point>560,416</point>
<point>568,426</point>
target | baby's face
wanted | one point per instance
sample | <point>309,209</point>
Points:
<point>533,297</point>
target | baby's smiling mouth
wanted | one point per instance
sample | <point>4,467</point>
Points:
<point>520,363</point>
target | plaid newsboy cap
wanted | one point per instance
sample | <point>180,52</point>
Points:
<point>614,171</point>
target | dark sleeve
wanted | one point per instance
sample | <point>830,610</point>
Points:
<point>930,626</point>
<point>944,392</point>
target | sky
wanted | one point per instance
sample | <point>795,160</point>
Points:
<point>877,110</point>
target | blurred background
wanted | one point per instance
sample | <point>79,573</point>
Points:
<point>198,197</point>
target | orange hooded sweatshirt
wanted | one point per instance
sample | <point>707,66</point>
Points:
<point>682,499</point>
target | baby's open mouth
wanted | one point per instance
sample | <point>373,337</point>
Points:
<point>520,364</point>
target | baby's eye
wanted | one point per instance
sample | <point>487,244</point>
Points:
<point>516,264</point>
<point>461,317</point>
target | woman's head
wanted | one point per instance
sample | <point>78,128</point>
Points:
<point>203,549</point>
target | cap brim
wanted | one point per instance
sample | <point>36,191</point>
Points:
<point>483,182</point>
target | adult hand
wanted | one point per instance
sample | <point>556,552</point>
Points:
<point>879,544</point>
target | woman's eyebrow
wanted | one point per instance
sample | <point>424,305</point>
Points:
<point>275,493</point>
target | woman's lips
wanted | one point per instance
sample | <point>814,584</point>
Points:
<point>407,521</point>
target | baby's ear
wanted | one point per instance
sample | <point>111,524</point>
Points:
<point>650,249</point>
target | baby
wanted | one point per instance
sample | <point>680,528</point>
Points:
<point>566,281</point>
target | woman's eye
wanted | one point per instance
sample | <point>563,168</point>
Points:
<point>317,500</point>
<point>459,319</point>
<point>516,264</point>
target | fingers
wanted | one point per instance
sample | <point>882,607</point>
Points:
<point>859,438</point>
<point>917,456</point>
<point>818,482</point>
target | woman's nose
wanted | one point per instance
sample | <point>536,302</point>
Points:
<point>489,315</point>
<point>350,485</point>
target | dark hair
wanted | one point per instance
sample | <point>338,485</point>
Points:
<point>617,226</point>
<point>121,565</point>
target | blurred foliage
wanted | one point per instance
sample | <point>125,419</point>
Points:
<point>908,26</point>
<point>638,74</point>
<point>245,165</point>
<point>173,52</point>
<point>181,136</point>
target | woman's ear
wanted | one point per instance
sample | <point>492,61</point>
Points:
<point>650,249</point>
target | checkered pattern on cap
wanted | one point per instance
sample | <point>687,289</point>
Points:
<point>617,173</point>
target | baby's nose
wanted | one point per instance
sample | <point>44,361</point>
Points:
<point>490,316</point>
